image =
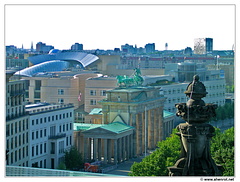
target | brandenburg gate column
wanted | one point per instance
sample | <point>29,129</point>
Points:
<point>115,151</point>
<point>105,144</point>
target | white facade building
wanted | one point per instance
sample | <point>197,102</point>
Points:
<point>50,133</point>
<point>175,93</point>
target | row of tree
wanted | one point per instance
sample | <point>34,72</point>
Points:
<point>168,152</point>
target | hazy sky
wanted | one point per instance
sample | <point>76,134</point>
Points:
<point>110,26</point>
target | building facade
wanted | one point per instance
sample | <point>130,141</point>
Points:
<point>17,124</point>
<point>50,133</point>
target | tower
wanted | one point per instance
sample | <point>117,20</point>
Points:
<point>166,46</point>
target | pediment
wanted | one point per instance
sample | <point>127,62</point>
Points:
<point>119,118</point>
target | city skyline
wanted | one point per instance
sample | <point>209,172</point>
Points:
<point>110,26</point>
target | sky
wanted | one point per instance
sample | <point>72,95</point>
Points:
<point>110,26</point>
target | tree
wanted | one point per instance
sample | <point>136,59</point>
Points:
<point>73,159</point>
<point>156,163</point>
<point>222,151</point>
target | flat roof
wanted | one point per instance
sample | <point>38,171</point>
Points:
<point>29,171</point>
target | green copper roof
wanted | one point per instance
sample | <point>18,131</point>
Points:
<point>167,114</point>
<point>84,126</point>
<point>96,111</point>
<point>115,127</point>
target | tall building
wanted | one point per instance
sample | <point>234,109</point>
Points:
<point>43,48</point>
<point>17,123</point>
<point>203,45</point>
<point>150,48</point>
<point>77,47</point>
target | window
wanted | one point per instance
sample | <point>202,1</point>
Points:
<point>61,147</point>
<point>60,92</point>
<point>33,151</point>
<point>52,148</point>
<point>103,92</point>
<point>60,100</point>
<point>33,135</point>
<point>23,139</point>
<point>32,122</point>
<point>20,140</point>
<point>19,126</point>
<point>16,141</point>
<point>92,92</point>
<point>41,133</point>
<point>52,130</point>
<point>93,102</point>
<point>37,150</point>
<point>45,132</point>
<point>45,147</point>
<point>7,130</point>
<point>37,84</point>
<point>16,127</point>
<point>36,121</point>
<point>36,134</point>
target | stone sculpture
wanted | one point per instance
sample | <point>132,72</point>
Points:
<point>195,134</point>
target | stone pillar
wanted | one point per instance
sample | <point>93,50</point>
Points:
<point>86,149</point>
<point>105,143</point>
<point>119,150</point>
<point>115,151</point>
<point>99,149</point>
<point>134,137</point>
<point>124,148</point>
<point>95,148</point>
<point>127,147</point>
<point>156,129</point>
<point>109,151</point>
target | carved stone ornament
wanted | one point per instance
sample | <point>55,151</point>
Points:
<point>195,134</point>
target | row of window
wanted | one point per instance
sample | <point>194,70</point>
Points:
<point>178,90</point>
<point>15,87</point>
<point>17,141</point>
<point>51,118</point>
<point>39,149</point>
<point>17,127</point>
<point>15,101</point>
<point>39,134</point>
<point>94,92</point>
<point>183,99</point>
<point>18,155</point>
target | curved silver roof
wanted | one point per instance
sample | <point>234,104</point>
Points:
<point>84,58</point>
<point>57,61</point>
<point>49,66</point>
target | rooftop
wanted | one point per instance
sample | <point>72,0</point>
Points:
<point>115,127</point>
<point>45,107</point>
<point>28,171</point>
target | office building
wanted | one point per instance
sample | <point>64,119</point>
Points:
<point>50,133</point>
